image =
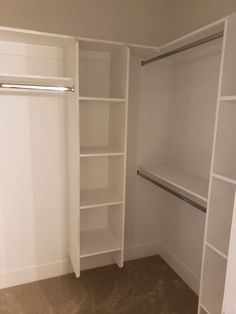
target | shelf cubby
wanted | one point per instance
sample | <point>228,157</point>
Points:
<point>102,127</point>
<point>102,70</point>
<point>213,282</point>
<point>37,55</point>
<point>220,214</point>
<point>101,230</point>
<point>225,153</point>
<point>101,181</point>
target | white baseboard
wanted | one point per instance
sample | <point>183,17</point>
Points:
<point>33,273</point>
<point>140,251</point>
<point>59,268</point>
<point>180,268</point>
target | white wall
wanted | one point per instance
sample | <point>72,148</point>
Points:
<point>33,219</point>
<point>138,21</point>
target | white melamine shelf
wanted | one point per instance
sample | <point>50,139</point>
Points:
<point>36,79</point>
<point>99,151</point>
<point>229,177</point>
<point>228,98</point>
<point>190,186</point>
<point>98,197</point>
<point>102,99</point>
<point>216,250</point>
<point>98,241</point>
<point>203,310</point>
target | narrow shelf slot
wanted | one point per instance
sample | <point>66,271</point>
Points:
<point>213,281</point>
<point>220,215</point>
<point>189,188</point>
<point>102,127</point>
<point>99,241</point>
<point>225,151</point>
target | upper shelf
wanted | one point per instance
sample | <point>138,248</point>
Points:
<point>190,188</point>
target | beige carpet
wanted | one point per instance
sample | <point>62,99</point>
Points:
<point>145,286</point>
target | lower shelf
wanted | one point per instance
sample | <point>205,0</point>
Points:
<point>98,241</point>
<point>98,197</point>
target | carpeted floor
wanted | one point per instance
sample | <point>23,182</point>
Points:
<point>145,286</point>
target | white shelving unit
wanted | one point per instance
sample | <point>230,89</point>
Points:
<point>218,234</point>
<point>103,73</point>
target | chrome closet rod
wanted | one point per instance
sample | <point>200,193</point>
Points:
<point>37,87</point>
<point>180,196</point>
<point>184,48</point>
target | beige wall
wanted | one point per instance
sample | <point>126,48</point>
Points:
<point>188,15</point>
<point>137,21</point>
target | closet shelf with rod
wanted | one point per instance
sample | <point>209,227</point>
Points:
<point>36,83</point>
<point>190,189</point>
<point>183,48</point>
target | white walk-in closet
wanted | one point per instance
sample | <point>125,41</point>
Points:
<point>112,151</point>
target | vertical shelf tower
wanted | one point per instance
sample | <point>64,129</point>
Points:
<point>103,101</point>
<point>221,205</point>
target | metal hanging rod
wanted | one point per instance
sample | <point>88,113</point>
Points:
<point>180,196</point>
<point>184,48</point>
<point>35,87</point>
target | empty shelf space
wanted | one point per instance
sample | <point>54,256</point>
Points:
<point>98,197</point>
<point>98,241</point>
<point>99,151</point>
<point>191,187</point>
<point>102,99</point>
<point>213,281</point>
<point>220,215</point>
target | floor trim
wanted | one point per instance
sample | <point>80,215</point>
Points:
<point>20,276</point>
<point>180,268</point>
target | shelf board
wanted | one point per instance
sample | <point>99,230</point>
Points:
<point>192,187</point>
<point>18,78</point>
<point>98,241</point>
<point>204,309</point>
<point>212,247</point>
<point>102,99</point>
<point>229,177</point>
<point>98,197</point>
<point>99,151</point>
<point>228,98</point>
